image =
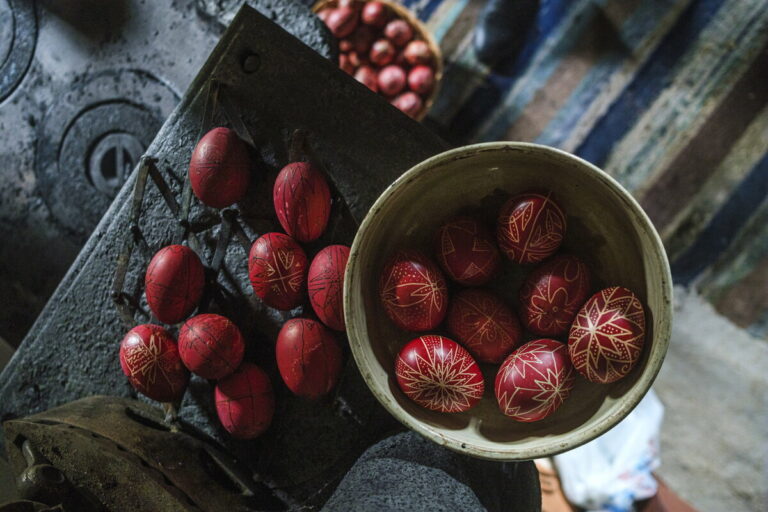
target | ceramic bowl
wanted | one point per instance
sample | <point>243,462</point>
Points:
<point>606,228</point>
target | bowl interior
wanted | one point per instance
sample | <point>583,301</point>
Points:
<point>606,229</point>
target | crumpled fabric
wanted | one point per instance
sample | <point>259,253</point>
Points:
<point>612,472</point>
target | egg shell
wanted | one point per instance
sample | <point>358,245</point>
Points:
<point>374,14</point>
<point>530,227</point>
<point>482,323</point>
<point>341,21</point>
<point>439,374</point>
<point>150,359</point>
<point>607,336</point>
<point>391,80</point>
<point>362,38</point>
<point>211,346</point>
<point>325,284</point>
<point>552,294</point>
<point>277,267</point>
<point>382,52</point>
<point>409,103</point>
<point>399,32</point>
<point>367,76</point>
<point>421,79</point>
<point>308,358</point>
<point>466,251</point>
<point>174,283</point>
<point>302,201</point>
<point>534,380</point>
<point>413,291</point>
<point>418,52</point>
<point>220,168</point>
<point>245,402</point>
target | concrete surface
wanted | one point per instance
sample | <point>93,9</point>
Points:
<point>714,444</point>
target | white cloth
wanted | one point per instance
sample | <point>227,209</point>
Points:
<point>611,472</point>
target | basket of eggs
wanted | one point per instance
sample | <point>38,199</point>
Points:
<point>386,48</point>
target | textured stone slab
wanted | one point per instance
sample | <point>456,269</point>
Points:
<point>364,144</point>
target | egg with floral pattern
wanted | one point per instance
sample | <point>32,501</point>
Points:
<point>552,294</point>
<point>483,324</point>
<point>606,338</point>
<point>530,227</point>
<point>534,380</point>
<point>466,251</point>
<point>413,291</point>
<point>439,374</point>
<point>277,267</point>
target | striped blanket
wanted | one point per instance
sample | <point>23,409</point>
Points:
<point>668,96</point>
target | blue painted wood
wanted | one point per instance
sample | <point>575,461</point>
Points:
<point>486,98</point>
<point>650,80</point>
<point>724,226</point>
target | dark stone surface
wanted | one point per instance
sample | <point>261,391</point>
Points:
<point>362,141</point>
<point>125,63</point>
<point>407,472</point>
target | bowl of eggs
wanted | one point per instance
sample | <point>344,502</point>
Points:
<point>508,300</point>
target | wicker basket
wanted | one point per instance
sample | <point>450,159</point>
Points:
<point>420,31</point>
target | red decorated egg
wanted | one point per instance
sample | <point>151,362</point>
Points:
<point>421,79</point>
<point>439,374</point>
<point>467,251</point>
<point>277,267</point>
<point>413,291</point>
<point>607,336</point>
<point>308,357</point>
<point>150,359</point>
<point>325,283</point>
<point>409,103</point>
<point>530,227</point>
<point>399,32</point>
<point>219,170</point>
<point>245,402</point>
<point>534,380</point>
<point>481,322</point>
<point>552,294</point>
<point>418,52</point>
<point>211,346</point>
<point>391,80</point>
<point>302,201</point>
<point>374,14</point>
<point>174,283</point>
<point>341,21</point>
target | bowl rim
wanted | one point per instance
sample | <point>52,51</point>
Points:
<point>633,396</point>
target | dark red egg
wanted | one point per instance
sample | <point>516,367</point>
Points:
<point>409,103</point>
<point>552,294</point>
<point>481,322</point>
<point>418,52</point>
<point>150,359</point>
<point>174,283</point>
<point>391,80</point>
<point>607,336</point>
<point>530,227</point>
<point>367,76</point>
<point>341,22</point>
<point>308,357</point>
<point>413,291</point>
<point>374,14</point>
<point>302,201</point>
<point>220,168</point>
<point>399,32</point>
<point>439,374</point>
<point>245,402</point>
<point>277,267</point>
<point>467,251</point>
<point>211,346</point>
<point>382,52</point>
<point>534,380</point>
<point>345,64</point>
<point>421,79</point>
<point>325,284</point>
